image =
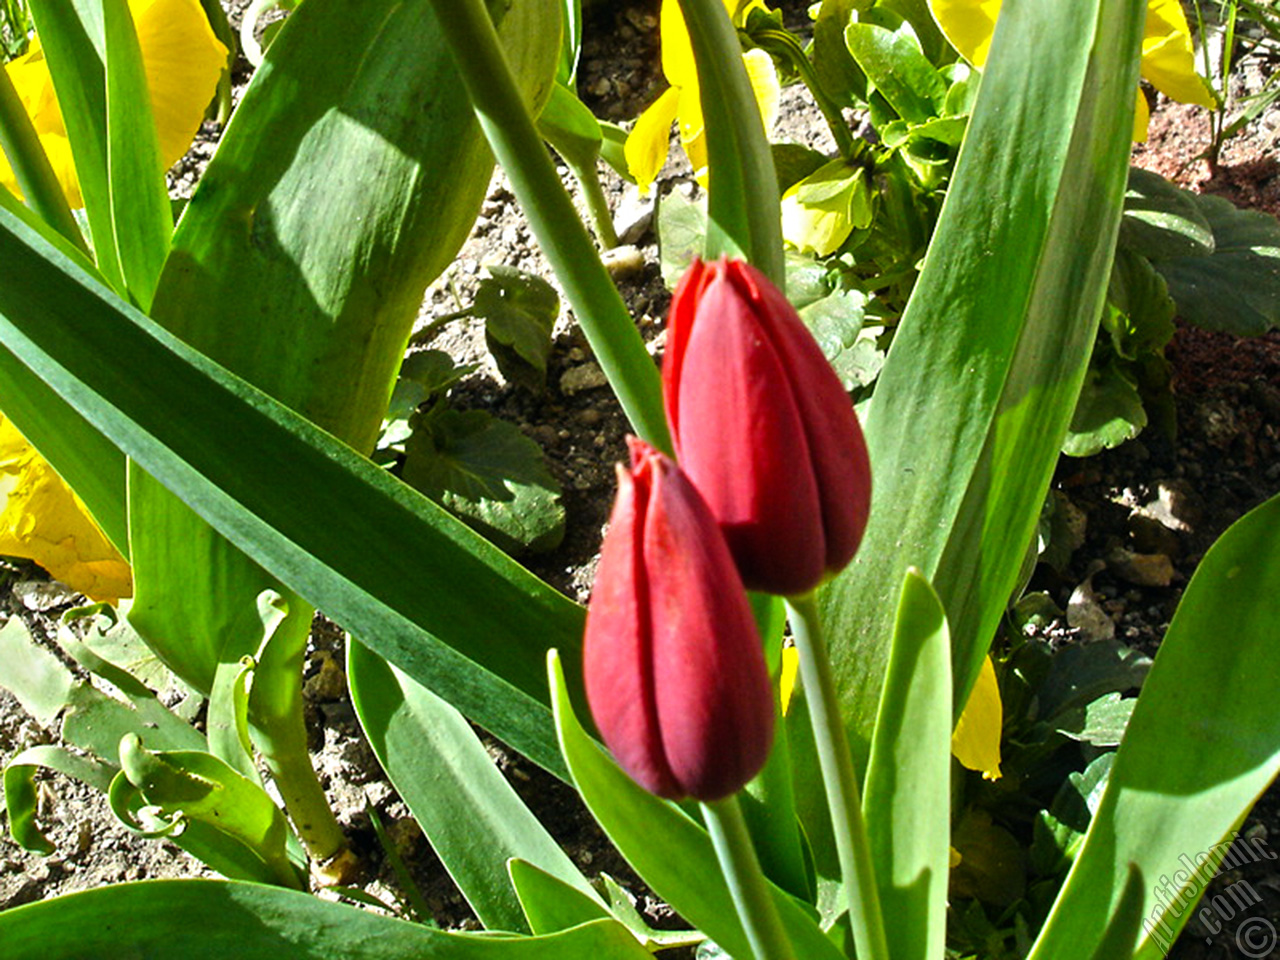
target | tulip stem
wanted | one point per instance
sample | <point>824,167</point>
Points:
<point>515,140</point>
<point>747,885</point>
<point>840,779</point>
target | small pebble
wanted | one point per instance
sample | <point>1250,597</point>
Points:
<point>587,376</point>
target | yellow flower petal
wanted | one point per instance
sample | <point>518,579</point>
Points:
<point>787,677</point>
<point>1141,118</point>
<point>42,520</point>
<point>968,25</point>
<point>677,48</point>
<point>1168,58</point>
<point>182,59</point>
<point>764,84</point>
<point>647,143</point>
<point>976,740</point>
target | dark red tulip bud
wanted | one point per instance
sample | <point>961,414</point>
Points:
<point>674,669</point>
<point>764,429</point>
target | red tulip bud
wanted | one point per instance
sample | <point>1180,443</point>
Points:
<point>764,429</point>
<point>674,669</point>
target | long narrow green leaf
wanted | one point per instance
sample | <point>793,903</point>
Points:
<point>1201,746</point>
<point>140,211</point>
<point>30,164</point>
<point>909,778</point>
<point>671,852</point>
<point>166,920</point>
<point>425,592</point>
<point>71,35</point>
<point>348,179</point>
<point>472,816</point>
<point>981,381</point>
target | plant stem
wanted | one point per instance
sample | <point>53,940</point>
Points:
<point>564,240</point>
<point>840,780</point>
<point>743,209</point>
<point>20,143</point>
<point>747,886</point>
<point>281,735</point>
<point>787,45</point>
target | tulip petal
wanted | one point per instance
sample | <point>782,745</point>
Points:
<point>838,454</point>
<point>43,521</point>
<point>617,652</point>
<point>740,438</point>
<point>647,144</point>
<point>714,701</point>
<point>673,663</point>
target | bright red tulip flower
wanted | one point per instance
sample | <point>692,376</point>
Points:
<point>674,669</point>
<point>764,428</point>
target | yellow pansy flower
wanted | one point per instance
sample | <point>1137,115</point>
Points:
<point>1168,59</point>
<point>183,61</point>
<point>646,147</point>
<point>41,519</point>
<point>976,739</point>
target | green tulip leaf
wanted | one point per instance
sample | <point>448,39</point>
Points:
<point>1202,744</point>
<point>978,390</point>
<point>672,853</point>
<point>257,922</point>
<point>174,789</point>
<point>140,211</point>
<point>305,277</point>
<point>471,815</point>
<point>910,769</point>
<point>32,674</point>
<point>433,598</point>
<point>72,40</point>
<point>20,797</point>
<point>548,902</point>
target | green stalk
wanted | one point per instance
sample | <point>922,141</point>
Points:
<point>564,240</point>
<point>743,209</point>
<point>597,204</point>
<point>788,46</point>
<point>857,874</point>
<point>39,184</point>
<point>280,731</point>
<point>747,886</point>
